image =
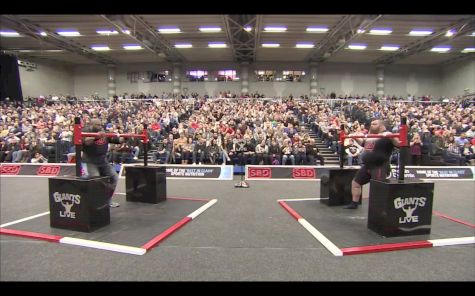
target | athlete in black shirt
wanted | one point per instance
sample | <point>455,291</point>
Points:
<point>94,156</point>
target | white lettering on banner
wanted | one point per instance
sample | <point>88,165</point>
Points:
<point>407,174</point>
<point>68,200</point>
<point>400,203</point>
<point>178,172</point>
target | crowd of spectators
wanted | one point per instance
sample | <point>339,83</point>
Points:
<point>227,129</point>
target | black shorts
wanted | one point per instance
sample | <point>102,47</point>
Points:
<point>364,174</point>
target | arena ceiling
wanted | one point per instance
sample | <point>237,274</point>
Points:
<point>325,38</point>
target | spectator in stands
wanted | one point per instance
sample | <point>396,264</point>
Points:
<point>313,153</point>
<point>187,150</point>
<point>213,151</point>
<point>12,144</point>
<point>300,153</point>
<point>3,149</point>
<point>39,158</point>
<point>461,140</point>
<point>471,132</point>
<point>170,149</point>
<point>121,152</point>
<point>239,148</point>
<point>453,153</point>
<point>287,153</point>
<point>199,150</point>
<point>468,151</point>
<point>262,153</point>
<point>353,151</point>
<point>250,150</point>
<point>415,147</point>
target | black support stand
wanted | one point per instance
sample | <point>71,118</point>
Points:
<point>335,186</point>
<point>146,184</point>
<point>400,209</point>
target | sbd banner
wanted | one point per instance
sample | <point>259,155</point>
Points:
<point>314,173</point>
<point>282,172</point>
<point>31,169</point>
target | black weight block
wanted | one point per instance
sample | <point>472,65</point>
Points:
<point>335,186</point>
<point>146,184</point>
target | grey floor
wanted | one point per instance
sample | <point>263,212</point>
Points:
<point>245,236</point>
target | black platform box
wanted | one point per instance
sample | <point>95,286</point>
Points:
<point>80,204</point>
<point>146,184</point>
<point>400,208</point>
<point>335,186</point>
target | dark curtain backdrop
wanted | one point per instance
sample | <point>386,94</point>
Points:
<point>10,85</point>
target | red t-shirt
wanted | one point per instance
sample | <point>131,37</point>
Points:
<point>155,126</point>
<point>194,125</point>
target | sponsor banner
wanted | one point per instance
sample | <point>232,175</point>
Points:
<point>37,169</point>
<point>434,173</point>
<point>314,172</point>
<point>282,172</point>
<point>251,172</point>
<point>195,172</point>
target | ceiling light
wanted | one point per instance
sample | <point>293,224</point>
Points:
<point>217,45</point>
<point>468,49</point>
<point>169,30</point>
<point>305,45</point>
<point>450,33</point>
<point>43,34</point>
<point>100,47</point>
<point>107,32</point>
<point>9,34</point>
<point>69,33</point>
<point>317,29</point>
<point>357,46</point>
<point>210,29</point>
<point>361,31</point>
<point>270,44</point>
<point>275,29</point>
<point>389,47</point>
<point>126,32</point>
<point>248,29</point>
<point>132,47</point>
<point>440,49</point>
<point>420,32</point>
<point>183,45</point>
<point>40,50</point>
<point>380,31</point>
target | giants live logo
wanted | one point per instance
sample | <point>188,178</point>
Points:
<point>10,169</point>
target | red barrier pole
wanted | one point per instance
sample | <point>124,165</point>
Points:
<point>112,135</point>
<point>145,143</point>
<point>403,149</point>
<point>374,136</point>
<point>403,136</point>
<point>77,139</point>
<point>342,145</point>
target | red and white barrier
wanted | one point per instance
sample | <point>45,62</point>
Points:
<point>102,245</point>
<point>330,246</point>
